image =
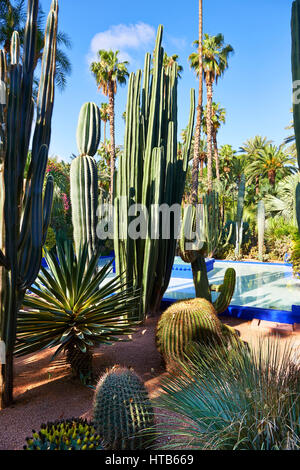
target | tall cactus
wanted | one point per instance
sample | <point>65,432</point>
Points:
<point>261,228</point>
<point>25,208</point>
<point>150,173</point>
<point>84,179</point>
<point>208,237</point>
<point>295,24</point>
<point>239,216</point>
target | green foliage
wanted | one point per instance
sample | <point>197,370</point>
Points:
<point>71,434</point>
<point>241,398</point>
<point>75,307</point>
<point>122,410</point>
<point>150,173</point>
<point>50,240</point>
<point>295,254</point>
<point>261,216</point>
<point>184,322</point>
<point>295,26</point>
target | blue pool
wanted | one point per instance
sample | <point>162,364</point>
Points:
<point>266,291</point>
<point>261,285</point>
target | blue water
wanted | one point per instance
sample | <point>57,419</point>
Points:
<point>258,285</point>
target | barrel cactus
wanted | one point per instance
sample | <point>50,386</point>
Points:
<point>184,322</point>
<point>73,434</point>
<point>84,179</point>
<point>122,410</point>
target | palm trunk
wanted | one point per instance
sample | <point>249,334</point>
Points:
<point>201,167</point>
<point>216,152</point>
<point>209,133</point>
<point>272,176</point>
<point>257,184</point>
<point>111,99</point>
<point>196,159</point>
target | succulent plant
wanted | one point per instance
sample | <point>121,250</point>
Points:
<point>122,410</point>
<point>150,173</point>
<point>71,434</point>
<point>25,208</point>
<point>239,215</point>
<point>261,220</point>
<point>75,307</point>
<point>84,179</point>
<point>186,321</point>
<point>197,256</point>
<point>226,291</point>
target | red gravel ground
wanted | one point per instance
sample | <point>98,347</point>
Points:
<point>45,392</point>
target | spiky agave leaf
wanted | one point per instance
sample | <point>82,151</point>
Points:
<point>74,305</point>
<point>233,399</point>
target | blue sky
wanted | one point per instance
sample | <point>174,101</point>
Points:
<point>255,90</point>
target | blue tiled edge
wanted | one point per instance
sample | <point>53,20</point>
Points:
<point>249,313</point>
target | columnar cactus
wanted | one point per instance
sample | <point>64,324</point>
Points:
<point>84,179</point>
<point>122,410</point>
<point>239,216</point>
<point>186,321</point>
<point>150,173</point>
<point>226,291</point>
<point>25,208</point>
<point>261,228</point>
<point>197,256</point>
<point>71,434</point>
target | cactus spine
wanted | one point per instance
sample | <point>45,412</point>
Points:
<point>261,229</point>
<point>185,322</point>
<point>150,173</point>
<point>84,179</point>
<point>122,410</point>
<point>25,212</point>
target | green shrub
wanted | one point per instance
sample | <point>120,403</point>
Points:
<point>243,398</point>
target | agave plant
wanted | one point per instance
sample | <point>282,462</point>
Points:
<point>246,398</point>
<point>75,307</point>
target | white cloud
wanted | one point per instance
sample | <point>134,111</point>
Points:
<point>124,38</point>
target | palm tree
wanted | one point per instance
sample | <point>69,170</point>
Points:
<point>218,118</point>
<point>252,148</point>
<point>215,62</point>
<point>168,62</point>
<point>13,18</point>
<point>284,203</point>
<point>109,72</point>
<point>104,114</point>
<point>196,159</point>
<point>272,162</point>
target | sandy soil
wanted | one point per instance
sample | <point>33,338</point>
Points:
<point>45,392</point>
